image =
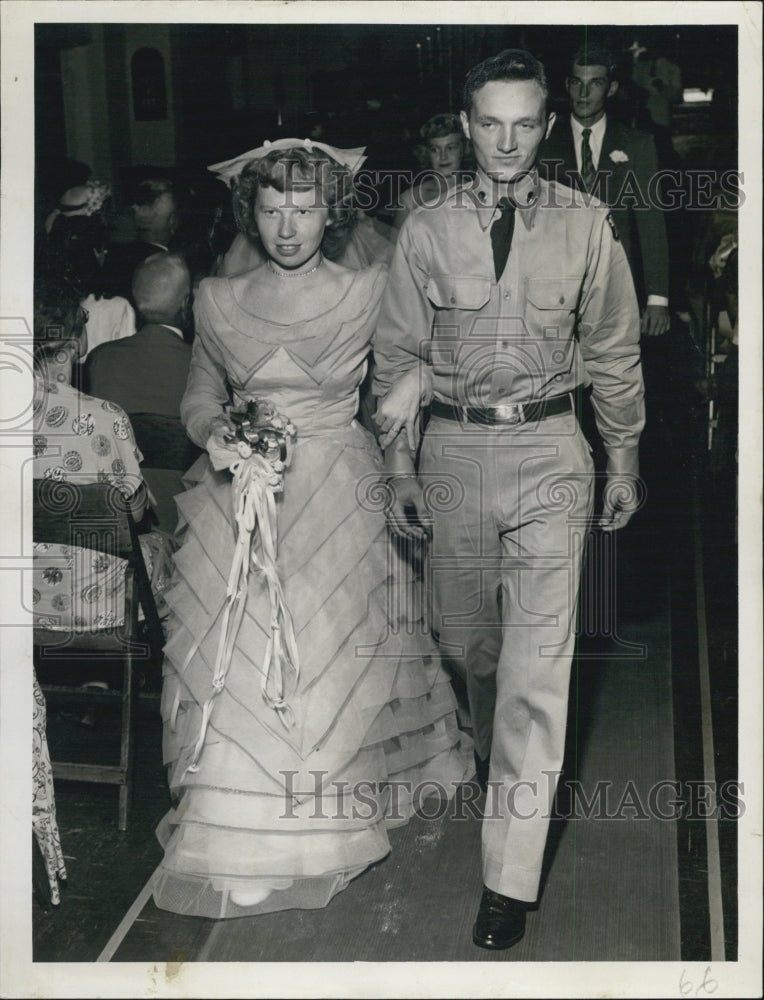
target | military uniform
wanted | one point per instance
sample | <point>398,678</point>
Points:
<point>514,499</point>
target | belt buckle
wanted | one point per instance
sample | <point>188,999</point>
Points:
<point>508,413</point>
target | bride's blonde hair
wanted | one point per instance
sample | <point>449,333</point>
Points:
<point>299,169</point>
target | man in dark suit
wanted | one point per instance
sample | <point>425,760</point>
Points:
<point>616,164</point>
<point>147,373</point>
<point>156,216</point>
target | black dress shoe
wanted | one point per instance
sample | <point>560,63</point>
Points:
<point>481,771</point>
<point>500,921</point>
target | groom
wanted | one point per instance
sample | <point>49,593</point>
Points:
<point>500,304</point>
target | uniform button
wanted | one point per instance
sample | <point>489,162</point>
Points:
<point>505,343</point>
<point>453,300</point>
<point>562,300</point>
<point>506,295</point>
<point>558,378</point>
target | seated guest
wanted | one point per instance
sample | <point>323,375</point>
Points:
<point>206,227</point>
<point>53,175</point>
<point>81,440</point>
<point>156,209</point>
<point>440,153</point>
<point>147,373</point>
<point>75,248</point>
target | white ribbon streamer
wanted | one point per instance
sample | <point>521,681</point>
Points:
<point>254,482</point>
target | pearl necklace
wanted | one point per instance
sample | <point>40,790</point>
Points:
<point>295,274</point>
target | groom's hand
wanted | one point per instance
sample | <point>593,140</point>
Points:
<point>407,515</point>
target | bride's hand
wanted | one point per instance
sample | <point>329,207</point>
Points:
<point>222,432</point>
<point>400,408</point>
<point>221,445</point>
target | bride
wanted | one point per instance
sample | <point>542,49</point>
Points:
<point>308,713</point>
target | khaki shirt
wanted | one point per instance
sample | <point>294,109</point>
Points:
<point>563,314</point>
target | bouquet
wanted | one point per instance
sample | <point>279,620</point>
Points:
<point>260,429</point>
<point>262,439</point>
<point>262,434</point>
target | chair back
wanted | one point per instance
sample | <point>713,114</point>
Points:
<point>93,516</point>
<point>167,454</point>
<point>97,516</point>
<point>163,442</point>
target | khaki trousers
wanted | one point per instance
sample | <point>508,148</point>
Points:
<point>511,509</point>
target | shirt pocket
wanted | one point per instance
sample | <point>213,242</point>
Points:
<point>551,306</point>
<point>455,291</point>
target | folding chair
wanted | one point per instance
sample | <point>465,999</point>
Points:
<point>97,517</point>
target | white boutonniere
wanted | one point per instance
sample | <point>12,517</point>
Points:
<point>618,156</point>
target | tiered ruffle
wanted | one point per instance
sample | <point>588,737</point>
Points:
<point>304,808</point>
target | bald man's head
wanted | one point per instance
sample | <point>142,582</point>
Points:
<point>162,289</point>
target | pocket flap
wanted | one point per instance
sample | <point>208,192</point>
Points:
<point>452,291</point>
<point>553,293</point>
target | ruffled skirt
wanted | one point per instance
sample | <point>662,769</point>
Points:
<point>285,808</point>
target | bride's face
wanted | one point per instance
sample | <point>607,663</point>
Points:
<point>291,224</point>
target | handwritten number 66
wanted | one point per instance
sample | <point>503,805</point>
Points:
<point>687,988</point>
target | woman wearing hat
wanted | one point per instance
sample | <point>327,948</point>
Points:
<point>366,241</point>
<point>74,248</point>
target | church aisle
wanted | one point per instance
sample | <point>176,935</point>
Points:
<point>615,873</point>
<point>610,888</point>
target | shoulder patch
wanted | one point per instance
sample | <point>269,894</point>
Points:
<point>611,222</point>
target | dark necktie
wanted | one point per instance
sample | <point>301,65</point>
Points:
<point>501,235</point>
<point>588,173</point>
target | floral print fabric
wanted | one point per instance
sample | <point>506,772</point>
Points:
<point>76,589</point>
<point>44,822</point>
<point>82,440</point>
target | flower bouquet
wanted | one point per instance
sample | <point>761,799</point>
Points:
<point>262,431</point>
<point>262,439</point>
<point>260,434</point>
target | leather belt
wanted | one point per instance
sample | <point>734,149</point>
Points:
<point>505,414</point>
